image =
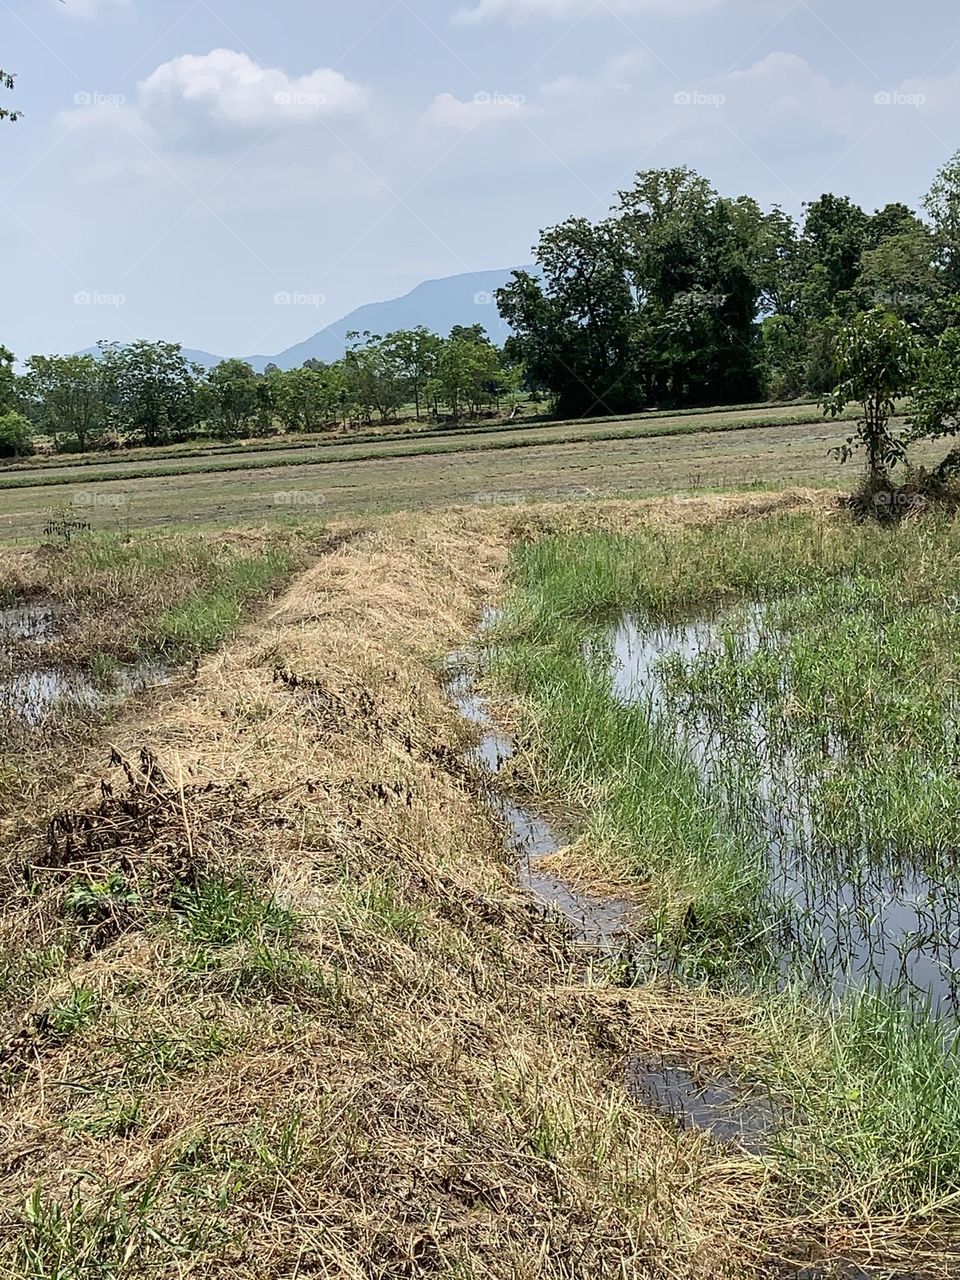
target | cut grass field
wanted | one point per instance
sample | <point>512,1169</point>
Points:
<point>277,1007</point>
<point>680,453</point>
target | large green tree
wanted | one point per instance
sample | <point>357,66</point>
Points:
<point>574,323</point>
<point>151,389</point>
<point>67,393</point>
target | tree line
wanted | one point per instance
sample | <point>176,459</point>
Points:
<point>151,393</point>
<point>682,297</point>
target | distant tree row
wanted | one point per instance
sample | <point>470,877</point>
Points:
<point>150,393</point>
<point>684,297</point>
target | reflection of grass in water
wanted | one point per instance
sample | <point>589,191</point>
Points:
<point>853,683</point>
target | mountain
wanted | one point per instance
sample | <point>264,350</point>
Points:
<point>437,304</point>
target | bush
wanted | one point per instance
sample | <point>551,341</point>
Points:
<point>16,435</point>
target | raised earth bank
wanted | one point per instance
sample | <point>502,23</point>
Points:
<point>278,1004</point>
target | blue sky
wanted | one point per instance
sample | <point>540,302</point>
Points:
<point>236,176</point>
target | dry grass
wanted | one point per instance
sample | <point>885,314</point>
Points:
<point>276,1007</point>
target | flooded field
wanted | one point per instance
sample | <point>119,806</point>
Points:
<point>856,911</point>
<point>758,726</point>
<point>32,688</point>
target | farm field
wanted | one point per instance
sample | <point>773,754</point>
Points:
<point>314,977</point>
<point>667,456</point>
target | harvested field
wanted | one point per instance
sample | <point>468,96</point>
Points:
<point>278,1007</point>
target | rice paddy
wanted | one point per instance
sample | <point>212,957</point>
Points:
<point>757,726</point>
<point>628,963</point>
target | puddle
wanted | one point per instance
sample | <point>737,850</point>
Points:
<point>857,917</point>
<point>593,922</point>
<point>28,622</point>
<point>720,1108</point>
<point>31,695</point>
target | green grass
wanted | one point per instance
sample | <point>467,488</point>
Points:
<point>784,768</point>
<point>510,437</point>
<point>202,621</point>
<point>799,411</point>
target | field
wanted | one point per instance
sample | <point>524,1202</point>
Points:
<point>652,455</point>
<point>352,929</point>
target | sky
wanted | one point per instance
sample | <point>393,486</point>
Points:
<point>236,175</point>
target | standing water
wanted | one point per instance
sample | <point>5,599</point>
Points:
<point>858,913</point>
<point>601,926</point>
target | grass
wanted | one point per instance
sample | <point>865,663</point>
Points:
<point>307,1023</point>
<point>323,1032</point>
<point>127,610</point>
<point>716,451</point>
<point>362,448</point>
<point>775,784</point>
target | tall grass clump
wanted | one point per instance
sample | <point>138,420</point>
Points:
<point>875,1091</point>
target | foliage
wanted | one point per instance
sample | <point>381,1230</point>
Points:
<point>68,392</point>
<point>16,435</point>
<point>7,82</point>
<point>150,389</point>
<point>877,356</point>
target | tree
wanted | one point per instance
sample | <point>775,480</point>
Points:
<point>68,392</point>
<point>307,398</point>
<point>372,379</point>
<point>693,259</point>
<point>16,435</point>
<point>835,234</point>
<point>8,380</point>
<point>942,204</point>
<point>877,357</point>
<point>574,326</point>
<point>413,355</point>
<point>468,369</point>
<point>934,411</point>
<point>233,399</point>
<point>151,389</point>
<point>901,274</point>
<point>7,82</point>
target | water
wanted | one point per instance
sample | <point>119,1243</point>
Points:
<point>602,926</point>
<point>858,916</point>
<point>594,922</point>
<point>31,689</point>
<point>28,622</point>
<point>721,1107</point>
<point>32,695</point>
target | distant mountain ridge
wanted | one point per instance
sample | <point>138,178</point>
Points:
<point>438,305</point>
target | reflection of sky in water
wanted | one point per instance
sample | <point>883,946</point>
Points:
<point>858,918</point>
<point>27,622</point>
<point>31,695</point>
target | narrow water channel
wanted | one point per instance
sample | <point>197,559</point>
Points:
<point>602,928</point>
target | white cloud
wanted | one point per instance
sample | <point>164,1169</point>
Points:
<point>448,111</point>
<point>531,10</point>
<point>230,89</point>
